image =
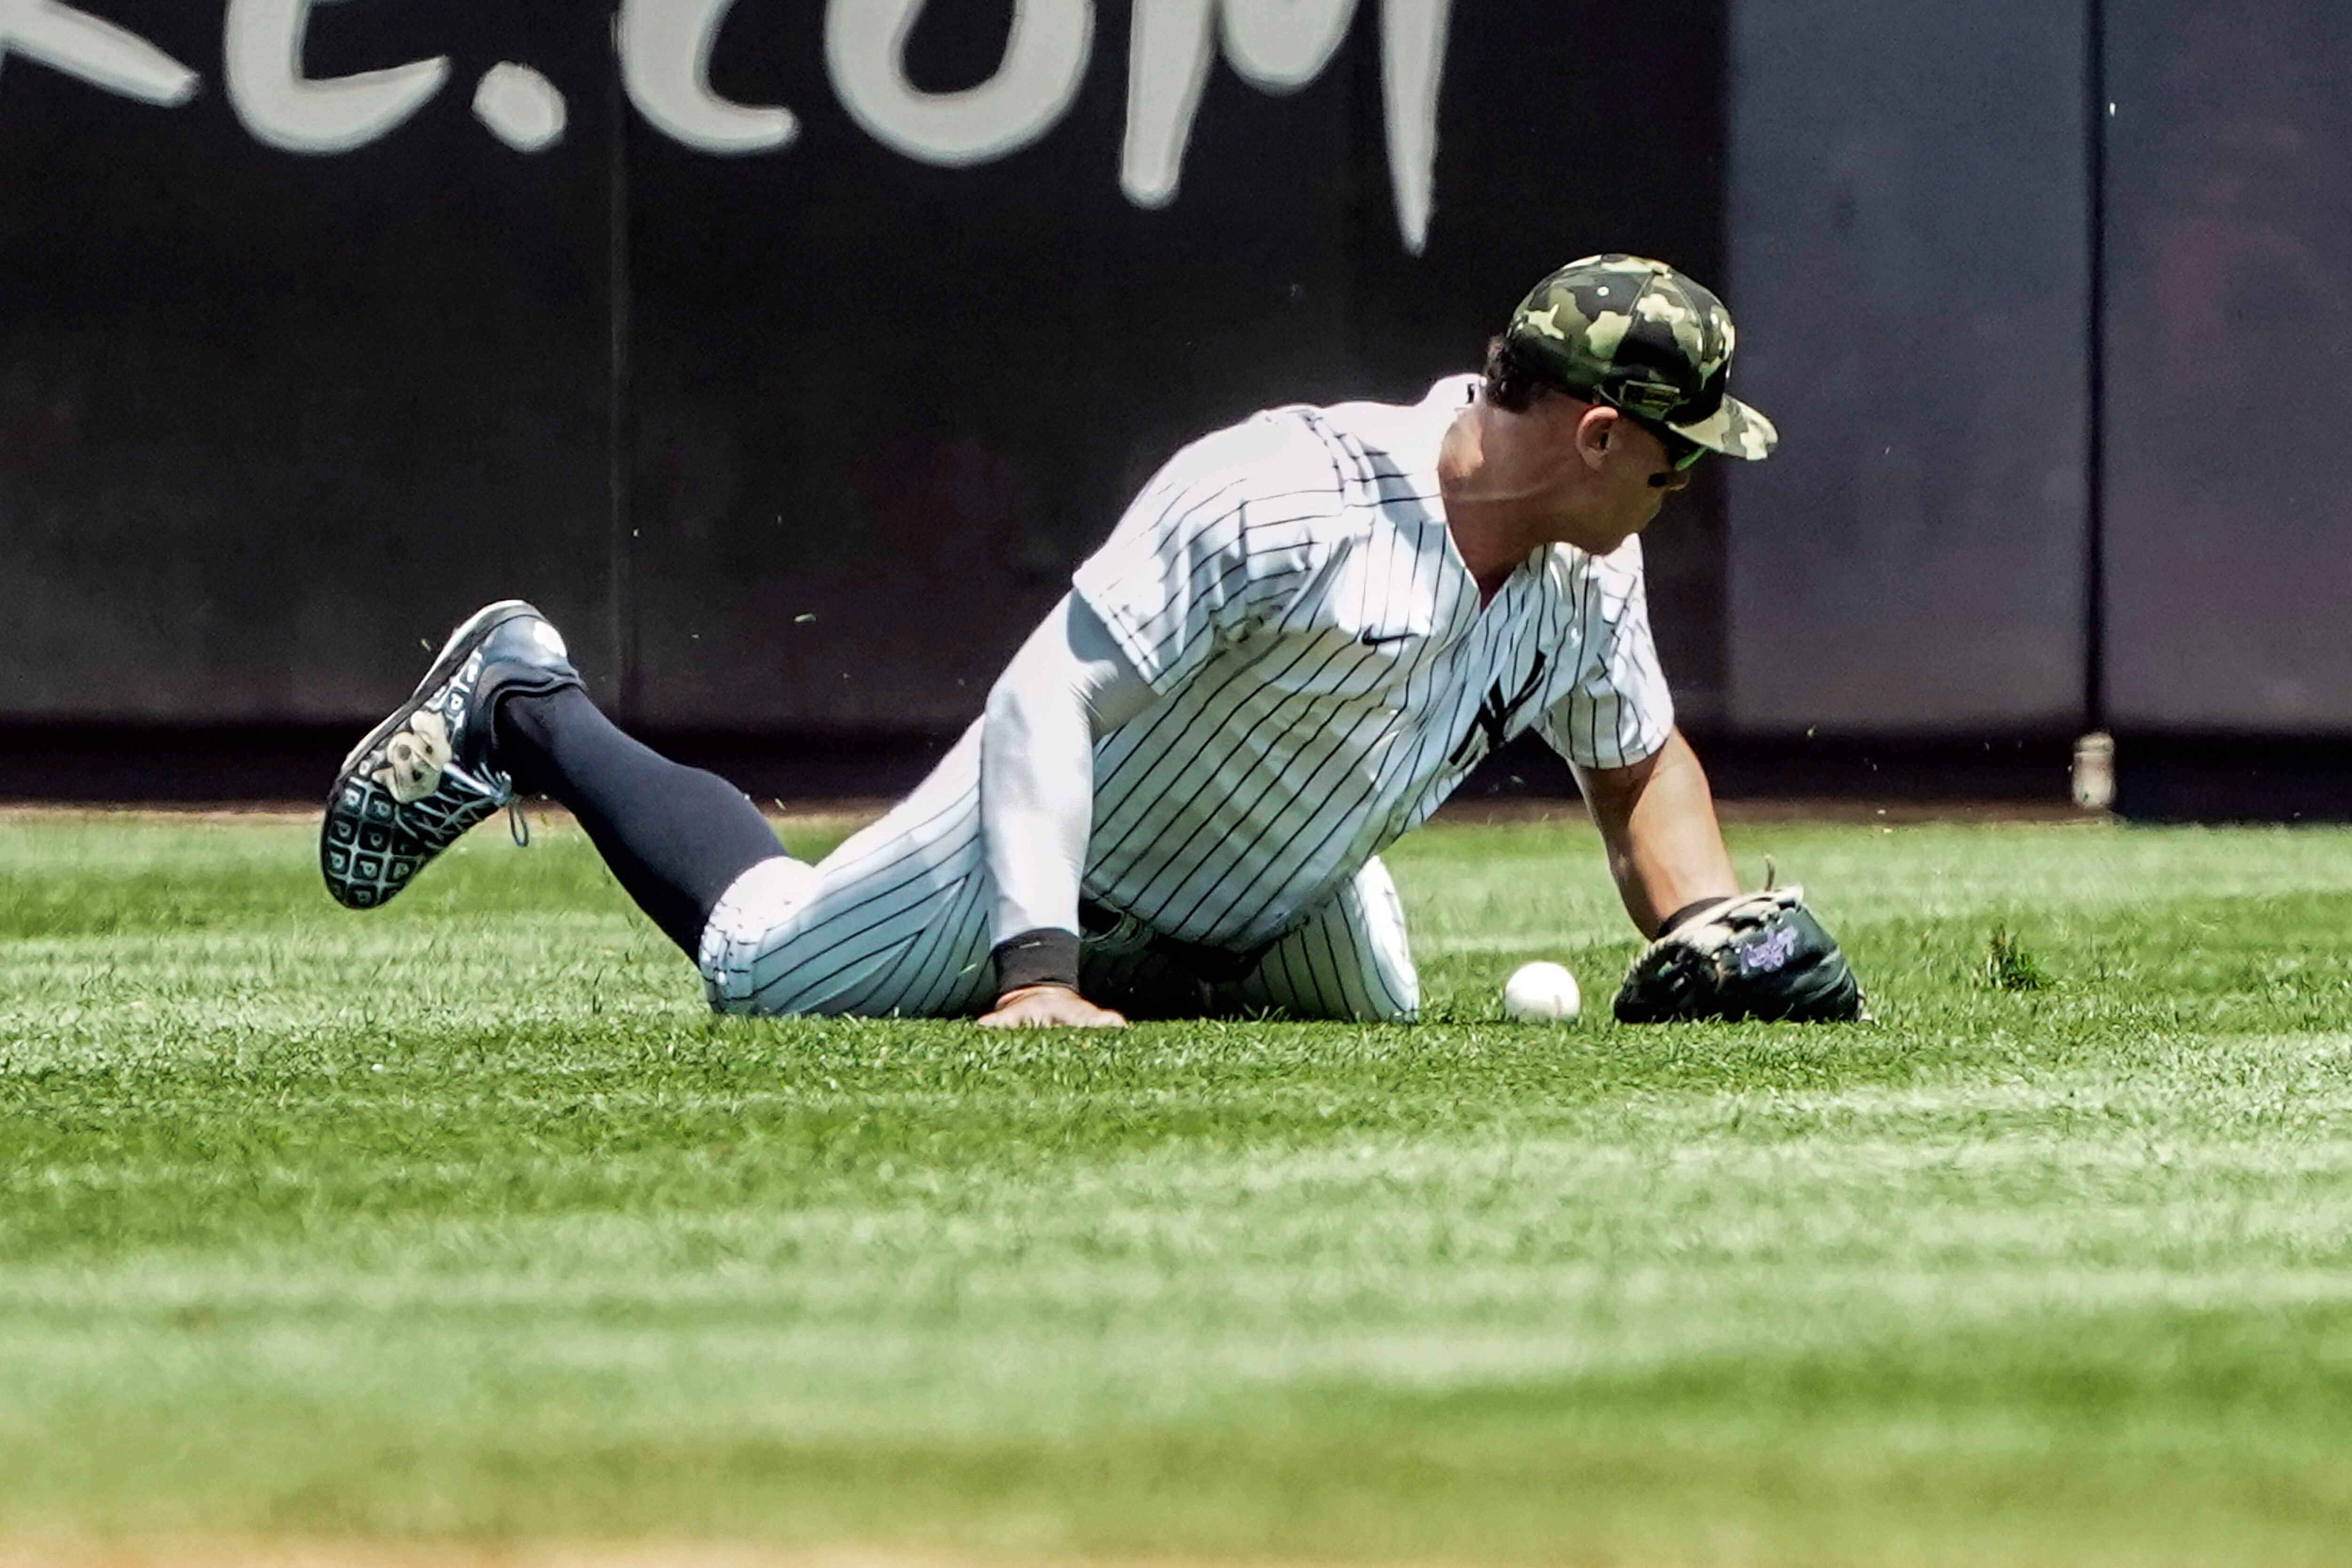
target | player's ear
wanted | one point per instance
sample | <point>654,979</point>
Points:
<point>1594,433</point>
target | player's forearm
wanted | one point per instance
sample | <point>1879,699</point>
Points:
<point>1665,847</point>
<point>1064,689</point>
<point>1036,808</point>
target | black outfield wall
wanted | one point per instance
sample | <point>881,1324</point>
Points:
<point>793,372</point>
<point>1911,244</point>
<point>2229,350</point>
<point>265,415</point>
<point>791,352</point>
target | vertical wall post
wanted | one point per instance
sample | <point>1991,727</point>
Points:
<point>620,623</point>
<point>2094,606</point>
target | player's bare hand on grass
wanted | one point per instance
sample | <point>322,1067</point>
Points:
<point>1049,1008</point>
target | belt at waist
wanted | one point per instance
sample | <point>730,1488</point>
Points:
<point>1216,965</point>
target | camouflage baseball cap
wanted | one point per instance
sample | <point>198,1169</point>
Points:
<point>1637,334</point>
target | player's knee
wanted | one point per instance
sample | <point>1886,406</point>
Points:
<point>740,938</point>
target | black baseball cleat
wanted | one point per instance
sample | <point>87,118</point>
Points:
<point>428,772</point>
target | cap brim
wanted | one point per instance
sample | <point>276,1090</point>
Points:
<point>1735,430</point>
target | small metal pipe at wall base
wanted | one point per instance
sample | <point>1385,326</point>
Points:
<point>2094,771</point>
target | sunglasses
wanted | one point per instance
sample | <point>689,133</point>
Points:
<point>1680,450</point>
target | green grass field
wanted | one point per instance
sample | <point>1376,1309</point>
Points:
<point>464,1220</point>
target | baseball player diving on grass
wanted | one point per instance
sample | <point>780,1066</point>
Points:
<point>1302,636</point>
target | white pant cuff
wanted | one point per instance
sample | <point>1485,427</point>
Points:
<point>755,904</point>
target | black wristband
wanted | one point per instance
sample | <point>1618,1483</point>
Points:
<point>1042,957</point>
<point>1680,916</point>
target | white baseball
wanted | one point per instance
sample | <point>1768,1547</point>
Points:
<point>1541,992</point>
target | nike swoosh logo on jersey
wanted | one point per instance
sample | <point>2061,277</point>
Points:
<point>1369,640</point>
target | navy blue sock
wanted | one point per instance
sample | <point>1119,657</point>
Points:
<point>676,838</point>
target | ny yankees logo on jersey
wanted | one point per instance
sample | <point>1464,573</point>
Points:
<point>1493,723</point>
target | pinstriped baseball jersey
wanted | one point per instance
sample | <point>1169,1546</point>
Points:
<point>1327,675</point>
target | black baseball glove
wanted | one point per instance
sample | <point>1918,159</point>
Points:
<point>1761,955</point>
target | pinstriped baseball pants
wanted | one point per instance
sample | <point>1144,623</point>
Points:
<point>895,921</point>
